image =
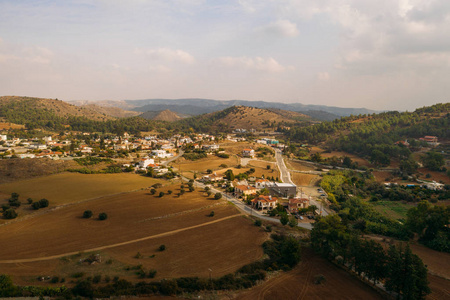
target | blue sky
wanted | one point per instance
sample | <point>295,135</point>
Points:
<point>380,54</point>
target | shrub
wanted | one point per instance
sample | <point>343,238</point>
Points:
<point>97,278</point>
<point>218,196</point>
<point>29,200</point>
<point>10,213</point>
<point>152,273</point>
<point>87,214</point>
<point>43,203</point>
<point>211,214</point>
<point>169,192</point>
<point>102,216</point>
<point>35,205</point>
<point>152,191</point>
<point>258,222</point>
<point>161,194</point>
<point>162,248</point>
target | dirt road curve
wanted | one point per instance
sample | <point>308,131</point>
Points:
<point>14,261</point>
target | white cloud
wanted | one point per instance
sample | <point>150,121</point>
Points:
<point>256,63</point>
<point>167,54</point>
<point>282,28</point>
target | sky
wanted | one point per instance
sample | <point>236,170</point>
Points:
<point>378,54</point>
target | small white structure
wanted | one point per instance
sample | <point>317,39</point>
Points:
<point>248,153</point>
<point>3,137</point>
<point>161,154</point>
<point>435,186</point>
<point>145,162</point>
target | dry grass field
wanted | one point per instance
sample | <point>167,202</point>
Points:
<point>200,166</point>
<point>301,179</point>
<point>299,283</point>
<point>299,166</point>
<point>49,243</point>
<point>66,188</point>
<point>7,125</point>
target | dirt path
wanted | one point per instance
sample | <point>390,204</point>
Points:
<point>14,261</point>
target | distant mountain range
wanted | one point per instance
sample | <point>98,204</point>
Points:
<point>195,106</point>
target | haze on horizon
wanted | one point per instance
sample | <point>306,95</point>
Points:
<point>392,54</point>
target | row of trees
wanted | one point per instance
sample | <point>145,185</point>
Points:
<point>401,271</point>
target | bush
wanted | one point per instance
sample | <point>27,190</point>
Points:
<point>152,273</point>
<point>211,214</point>
<point>152,191</point>
<point>102,216</point>
<point>43,203</point>
<point>29,200</point>
<point>319,279</point>
<point>258,222</point>
<point>35,205</point>
<point>87,214</point>
<point>284,219</point>
<point>162,248</point>
<point>10,213</point>
<point>161,194</point>
<point>218,196</point>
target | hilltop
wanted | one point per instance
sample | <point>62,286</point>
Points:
<point>244,117</point>
<point>18,109</point>
<point>165,115</point>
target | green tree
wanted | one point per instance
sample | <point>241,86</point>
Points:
<point>10,214</point>
<point>433,160</point>
<point>102,216</point>
<point>87,214</point>
<point>7,288</point>
<point>217,196</point>
<point>284,219</point>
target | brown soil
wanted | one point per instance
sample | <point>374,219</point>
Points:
<point>299,283</point>
<point>304,179</point>
<point>436,176</point>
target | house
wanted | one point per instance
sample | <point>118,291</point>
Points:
<point>431,140</point>
<point>212,178</point>
<point>145,162</point>
<point>3,137</point>
<point>433,186</point>
<point>265,202</point>
<point>263,183</point>
<point>248,153</point>
<point>161,154</point>
<point>213,147</point>
<point>244,190</point>
<point>284,189</point>
<point>296,203</point>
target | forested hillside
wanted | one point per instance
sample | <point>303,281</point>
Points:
<point>375,136</point>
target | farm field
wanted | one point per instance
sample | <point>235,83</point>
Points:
<point>200,166</point>
<point>359,160</point>
<point>68,187</point>
<point>299,283</point>
<point>130,216</point>
<point>392,209</point>
<point>51,243</point>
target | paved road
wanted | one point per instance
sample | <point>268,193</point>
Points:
<point>180,153</point>
<point>286,177</point>
<point>247,209</point>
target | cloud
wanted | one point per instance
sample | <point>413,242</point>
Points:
<point>167,55</point>
<point>282,28</point>
<point>256,63</point>
<point>323,76</point>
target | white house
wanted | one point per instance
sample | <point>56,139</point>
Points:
<point>3,137</point>
<point>145,162</point>
<point>248,153</point>
<point>161,154</point>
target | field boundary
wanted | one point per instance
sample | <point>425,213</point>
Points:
<point>35,259</point>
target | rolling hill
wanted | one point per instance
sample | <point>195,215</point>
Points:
<point>18,109</point>
<point>165,115</point>
<point>111,111</point>
<point>196,106</point>
<point>244,117</point>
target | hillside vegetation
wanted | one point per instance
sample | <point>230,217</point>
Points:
<point>111,111</point>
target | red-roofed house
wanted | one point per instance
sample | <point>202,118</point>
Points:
<point>265,202</point>
<point>296,203</point>
<point>241,190</point>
